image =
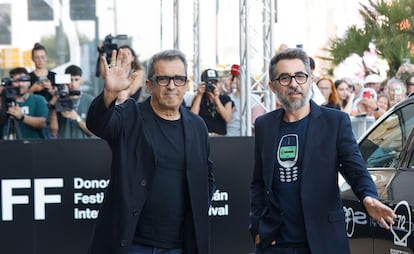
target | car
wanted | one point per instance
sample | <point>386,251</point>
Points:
<point>388,150</point>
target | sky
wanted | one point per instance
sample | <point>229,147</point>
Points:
<point>307,22</point>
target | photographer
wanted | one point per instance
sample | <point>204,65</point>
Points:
<point>69,108</point>
<point>42,80</point>
<point>3,110</point>
<point>27,112</point>
<point>214,108</point>
<point>136,89</point>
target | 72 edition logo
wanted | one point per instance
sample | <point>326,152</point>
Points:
<point>14,192</point>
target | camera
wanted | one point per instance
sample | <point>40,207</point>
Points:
<point>210,86</point>
<point>10,92</point>
<point>110,44</point>
<point>64,102</point>
<point>42,79</point>
<point>208,77</point>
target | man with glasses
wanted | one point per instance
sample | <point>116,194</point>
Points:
<point>162,181</point>
<point>299,150</point>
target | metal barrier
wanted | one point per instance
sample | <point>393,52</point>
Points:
<point>360,124</point>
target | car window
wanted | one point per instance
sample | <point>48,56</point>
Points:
<point>383,145</point>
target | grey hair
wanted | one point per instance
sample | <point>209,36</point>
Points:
<point>169,54</point>
<point>397,81</point>
<point>291,53</point>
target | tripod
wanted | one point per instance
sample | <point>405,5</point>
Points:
<point>12,131</point>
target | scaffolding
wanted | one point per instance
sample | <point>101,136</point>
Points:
<point>256,42</point>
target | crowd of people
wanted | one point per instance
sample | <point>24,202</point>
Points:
<point>162,179</point>
<point>371,96</point>
<point>216,98</point>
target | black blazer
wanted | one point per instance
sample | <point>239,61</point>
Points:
<point>125,127</point>
<point>330,148</point>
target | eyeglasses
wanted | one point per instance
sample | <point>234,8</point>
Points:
<point>285,79</point>
<point>165,80</point>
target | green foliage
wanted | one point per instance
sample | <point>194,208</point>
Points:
<point>388,25</point>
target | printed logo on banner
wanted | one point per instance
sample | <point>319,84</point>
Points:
<point>402,228</point>
<point>88,196</point>
<point>353,218</point>
<point>219,206</point>
<point>40,199</point>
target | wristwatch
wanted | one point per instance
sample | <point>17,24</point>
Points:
<point>78,119</point>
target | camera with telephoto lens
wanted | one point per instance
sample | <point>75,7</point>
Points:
<point>64,102</point>
<point>10,92</point>
<point>110,44</point>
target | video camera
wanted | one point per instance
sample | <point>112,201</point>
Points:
<point>10,92</point>
<point>110,43</point>
<point>64,102</point>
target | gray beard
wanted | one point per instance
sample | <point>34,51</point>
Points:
<point>293,105</point>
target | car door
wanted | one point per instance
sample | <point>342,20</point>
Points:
<point>384,148</point>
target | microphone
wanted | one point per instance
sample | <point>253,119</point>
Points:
<point>235,71</point>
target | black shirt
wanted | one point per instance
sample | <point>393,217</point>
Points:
<point>50,76</point>
<point>287,181</point>
<point>161,221</point>
<point>215,123</point>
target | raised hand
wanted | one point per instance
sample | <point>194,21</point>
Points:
<point>116,75</point>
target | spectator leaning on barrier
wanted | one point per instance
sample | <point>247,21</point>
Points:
<point>73,107</point>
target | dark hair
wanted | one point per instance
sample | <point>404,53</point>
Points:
<point>312,63</point>
<point>291,53</point>
<point>73,70</point>
<point>337,83</point>
<point>135,65</point>
<point>17,71</point>
<point>37,47</point>
<point>169,54</point>
<point>407,80</point>
<point>340,81</point>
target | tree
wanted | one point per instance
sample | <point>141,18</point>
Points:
<point>388,25</point>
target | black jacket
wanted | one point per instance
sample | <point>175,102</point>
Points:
<point>330,148</point>
<point>125,127</point>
